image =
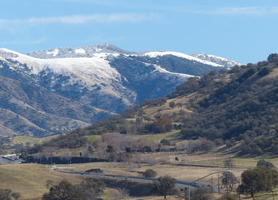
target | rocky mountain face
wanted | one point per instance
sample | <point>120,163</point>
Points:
<point>58,90</point>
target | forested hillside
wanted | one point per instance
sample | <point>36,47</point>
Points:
<point>235,108</point>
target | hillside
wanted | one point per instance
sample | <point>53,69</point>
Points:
<point>234,107</point>
<point>55,91</point>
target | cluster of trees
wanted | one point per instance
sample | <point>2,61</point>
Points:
<point>239,105</point>
<point>118,147</point>
<point>89,189</point>
<point>161,125</point>
<point>263,178</point>
<point>193,146</point>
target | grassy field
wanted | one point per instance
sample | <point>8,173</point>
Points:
<point>158,137</point>
<point>30,140</point>
<point>30,179</point>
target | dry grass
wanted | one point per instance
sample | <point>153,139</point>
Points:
<point>30,140</point>
<point>30,179</point>
<point>158,137</point>
<point>272,75</point>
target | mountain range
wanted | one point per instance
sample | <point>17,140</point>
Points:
<point>58,90</point>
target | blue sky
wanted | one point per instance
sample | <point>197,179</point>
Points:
<point>244,30</point>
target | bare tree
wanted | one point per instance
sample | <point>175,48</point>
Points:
<point>228,181</point>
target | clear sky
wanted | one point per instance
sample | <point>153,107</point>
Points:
<point>244,30</point>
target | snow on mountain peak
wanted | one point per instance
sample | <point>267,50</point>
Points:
<point>88,51</point>
<point>216,59</point>
<point>90,66</point>
<point>84,70</point>
<point>80,51</point>
<point>181,55</point>
<point>54,52</point>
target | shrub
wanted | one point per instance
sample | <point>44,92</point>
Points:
<point>273,58</point>
<point>165,142</point>
<point>201,194</point>
<point>7,194</point>
<point>149,173</point>
<point>266,164</point>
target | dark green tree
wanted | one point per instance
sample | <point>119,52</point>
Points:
<point>110,149</point>
<point>266,164</point>
<point>259,179</point>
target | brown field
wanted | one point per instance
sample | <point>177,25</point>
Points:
<point>30,179</point>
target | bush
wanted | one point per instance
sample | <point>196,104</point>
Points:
<point>201,194</point>
<point>273,58</point>
<point>165,142</point>
<point>149,173</point>
<point>7,194</point>
<point>266,164</point>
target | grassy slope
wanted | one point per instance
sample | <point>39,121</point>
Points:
<point>29,179</point>
<point>31,140</point>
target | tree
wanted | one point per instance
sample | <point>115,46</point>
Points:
<point>92,187</point>
<point>89,189</point>
<point>228,180</point>
<point>165,142</point>
<point>64,191</point>
<point>273,58</point>
<point>165,185</point>
<point>229,163</point>
<point>259,179</point>
<point>149,173</point>
<point>110,149</point>
<point>7,194</point>
<point>266,164</point>
<point>172,104</point>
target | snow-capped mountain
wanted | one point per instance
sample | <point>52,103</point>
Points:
<point>88,51</point>
<point>216,59</point>
<point>58,90</point>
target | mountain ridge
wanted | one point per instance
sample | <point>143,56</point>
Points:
<point>103,82</point>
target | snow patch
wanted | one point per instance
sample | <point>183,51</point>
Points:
<point>54,53</point>
<point>217,59</point>
<point>80,51</point>
<point>181,55</point>
<point>88,71</point>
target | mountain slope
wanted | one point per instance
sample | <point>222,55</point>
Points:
<point>62,89</point>
<point>216,59</point>
<point>237,108</point>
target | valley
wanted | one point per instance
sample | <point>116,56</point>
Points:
<point>138,100</point>
<point>160,135</point>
